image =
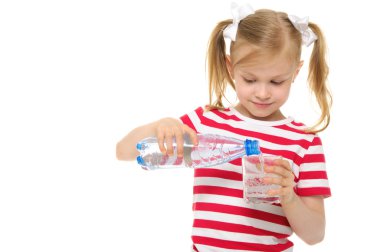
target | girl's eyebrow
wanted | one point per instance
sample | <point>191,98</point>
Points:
<point>248,73</point>
<point>284,75</point>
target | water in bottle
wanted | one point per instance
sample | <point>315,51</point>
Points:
<point>211,150</point>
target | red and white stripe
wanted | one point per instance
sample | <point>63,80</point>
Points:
<point>223,222</point>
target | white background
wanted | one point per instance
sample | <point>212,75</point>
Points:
<point>76,76</point>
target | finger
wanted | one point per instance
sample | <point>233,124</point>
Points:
<point>274,181</point>
<point>281,192</point>
<point>274,192</point>
<point>179,142</point>
<point>279,170</point>
<point>169,142</point>
<point>160,139</point>
<point>282,181</point>
<point>192,134</point>
<point>285,194</point>
<point>282,163</point>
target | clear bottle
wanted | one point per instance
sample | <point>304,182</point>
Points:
<point>211,150</point>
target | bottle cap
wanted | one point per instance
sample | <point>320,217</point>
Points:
<point>140,161</point>
<point>139,146</point>
<point>252,147</point>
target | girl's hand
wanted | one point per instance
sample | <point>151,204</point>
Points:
<point>285,180</point>
<point>169,128</point>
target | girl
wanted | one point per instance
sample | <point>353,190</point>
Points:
<point>262,64</point>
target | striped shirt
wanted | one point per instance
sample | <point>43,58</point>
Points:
<point>223,222</point>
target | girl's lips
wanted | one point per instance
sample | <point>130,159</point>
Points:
<point>262,105</point>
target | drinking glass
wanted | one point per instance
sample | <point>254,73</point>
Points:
<point>254,190</point>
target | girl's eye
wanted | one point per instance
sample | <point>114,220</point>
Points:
<point>249,80</point>
<point>277,82</point>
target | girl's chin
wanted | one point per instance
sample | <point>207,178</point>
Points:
<point>266,116</point>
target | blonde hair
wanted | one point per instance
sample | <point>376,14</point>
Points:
<point>269,33</point>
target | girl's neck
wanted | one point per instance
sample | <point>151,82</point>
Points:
<point>276,116</point>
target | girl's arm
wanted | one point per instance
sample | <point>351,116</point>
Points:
<point>306,215</point>
<point>164,129</point>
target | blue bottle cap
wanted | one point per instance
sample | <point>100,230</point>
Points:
<point>140,161</point>
<point>139,146</point>
<point>252,147</point>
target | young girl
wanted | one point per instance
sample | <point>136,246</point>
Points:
<point>262,64</point>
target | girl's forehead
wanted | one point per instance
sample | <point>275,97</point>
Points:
<point>267,70</point>
<point>244,53</point>
<point>274,65</point>
<point>248,53</point>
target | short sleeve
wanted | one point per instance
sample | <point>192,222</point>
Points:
<point>312,179</point>
<point>192,119</point>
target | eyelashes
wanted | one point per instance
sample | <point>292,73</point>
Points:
<point>277,82</point>
<point>251,81</point>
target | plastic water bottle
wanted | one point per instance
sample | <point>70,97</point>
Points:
<point>211,150</point>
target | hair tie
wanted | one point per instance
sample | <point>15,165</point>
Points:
<point>302,25</point>
<point>238,13</point>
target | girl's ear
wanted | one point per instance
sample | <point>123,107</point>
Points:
<point>297,70</point>
<point>229,66</point>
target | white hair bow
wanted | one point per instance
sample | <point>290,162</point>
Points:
<point>302,25</point>
<point>238,13</point>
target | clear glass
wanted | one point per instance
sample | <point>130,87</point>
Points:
<point>254,190</point>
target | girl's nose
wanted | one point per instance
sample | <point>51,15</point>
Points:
<point>262,91</point>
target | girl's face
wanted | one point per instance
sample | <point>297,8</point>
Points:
<point>264,87</point>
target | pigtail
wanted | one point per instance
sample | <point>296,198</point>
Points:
<point>218,75</point>
<point>318,72</point>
